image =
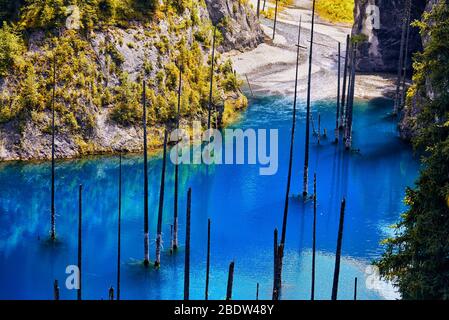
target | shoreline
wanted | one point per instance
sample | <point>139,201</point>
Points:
<point>270,67</point>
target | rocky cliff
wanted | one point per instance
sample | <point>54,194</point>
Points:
<point>237,22</point>
<point>422,90</point>
<point>380,53</point>
<point>100,69</point>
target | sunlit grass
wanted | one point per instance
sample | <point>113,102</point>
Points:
<point>336,10</point>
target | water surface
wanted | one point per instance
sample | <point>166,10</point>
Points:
<point>244,208</point>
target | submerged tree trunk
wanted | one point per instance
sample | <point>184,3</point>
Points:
<point>314,238</point>
<point>292,142</point>
<point>161,205</point>
<point>146,244</point>
<point>119,225</point>
<point>175,204</point>
<point>206,293</point>
<point>56,290</point>
<point>80,223</point>
<point>309,80</point>
<point>230,281</point>
<point>187,253</point>
<point>338,251</point>
<point>348,140</point>
<point>53,213</point>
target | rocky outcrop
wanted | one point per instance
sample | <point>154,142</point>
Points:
<point>380,53</point>
<point>109,55</point>
<point>238,23</point>
<point>408,125</point>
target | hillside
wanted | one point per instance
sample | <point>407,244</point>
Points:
<point>103,50</point>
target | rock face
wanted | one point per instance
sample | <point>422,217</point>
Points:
<point>135,46</point>
<point>380,53</point>
<point>408,126</point>
<point>238,23</point>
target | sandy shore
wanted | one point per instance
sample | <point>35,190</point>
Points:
<point>270,67</point>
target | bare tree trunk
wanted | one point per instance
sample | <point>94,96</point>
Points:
<point>161,205</point>
<point>146,238</point>
<point>338,251</point>
<point>292,142</point>
<point>314,238</point>
<point>119,241</point>
<point>206,293</point>
<point>275,18</point>
<point>351,102</point>
<point>175,204</point>
<point>211,78</point>
<point>257,291</point>
<point>338,94</point>
<point>187,253</point>
<point>80,223</point>
<point>230,281</point>
<point>56,290</point>
<point>53,214</point>
<point>306,157</point>
<point>345,76</point>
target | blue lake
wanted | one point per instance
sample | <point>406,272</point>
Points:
<point>244,208</point>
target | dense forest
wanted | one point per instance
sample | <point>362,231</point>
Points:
<point>417,257</point>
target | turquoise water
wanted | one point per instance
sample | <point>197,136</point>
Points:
<point>244,208</point>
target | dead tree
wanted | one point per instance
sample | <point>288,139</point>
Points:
<point>345,76</point>
<point>111,293</point>
<point>275,18</point>
<point>230,281</point>
<point>312,295</point>
<point>119,241</point>
<point>338,94</point>
<point>80,223</point>
<point>338,251</point>
<point>309,80</point>
<point>157,263</point>
<point>175,204</point>
<point>206,293</point>
<point>187,253</point>
<point>53,213</point>
<point>350,109</point>
<point>56,290</point>
<point>211,78</point>
<point>146,243</point>
<point>292,142</point>
<point>257,291</point>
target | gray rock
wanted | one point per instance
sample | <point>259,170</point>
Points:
<point>381,52</point>
<point>239,24</point>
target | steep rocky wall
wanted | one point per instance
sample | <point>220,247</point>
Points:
<point>142,47</point>
<point>380,53</point>
<point>238,24</point>
<point>408,125</point>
